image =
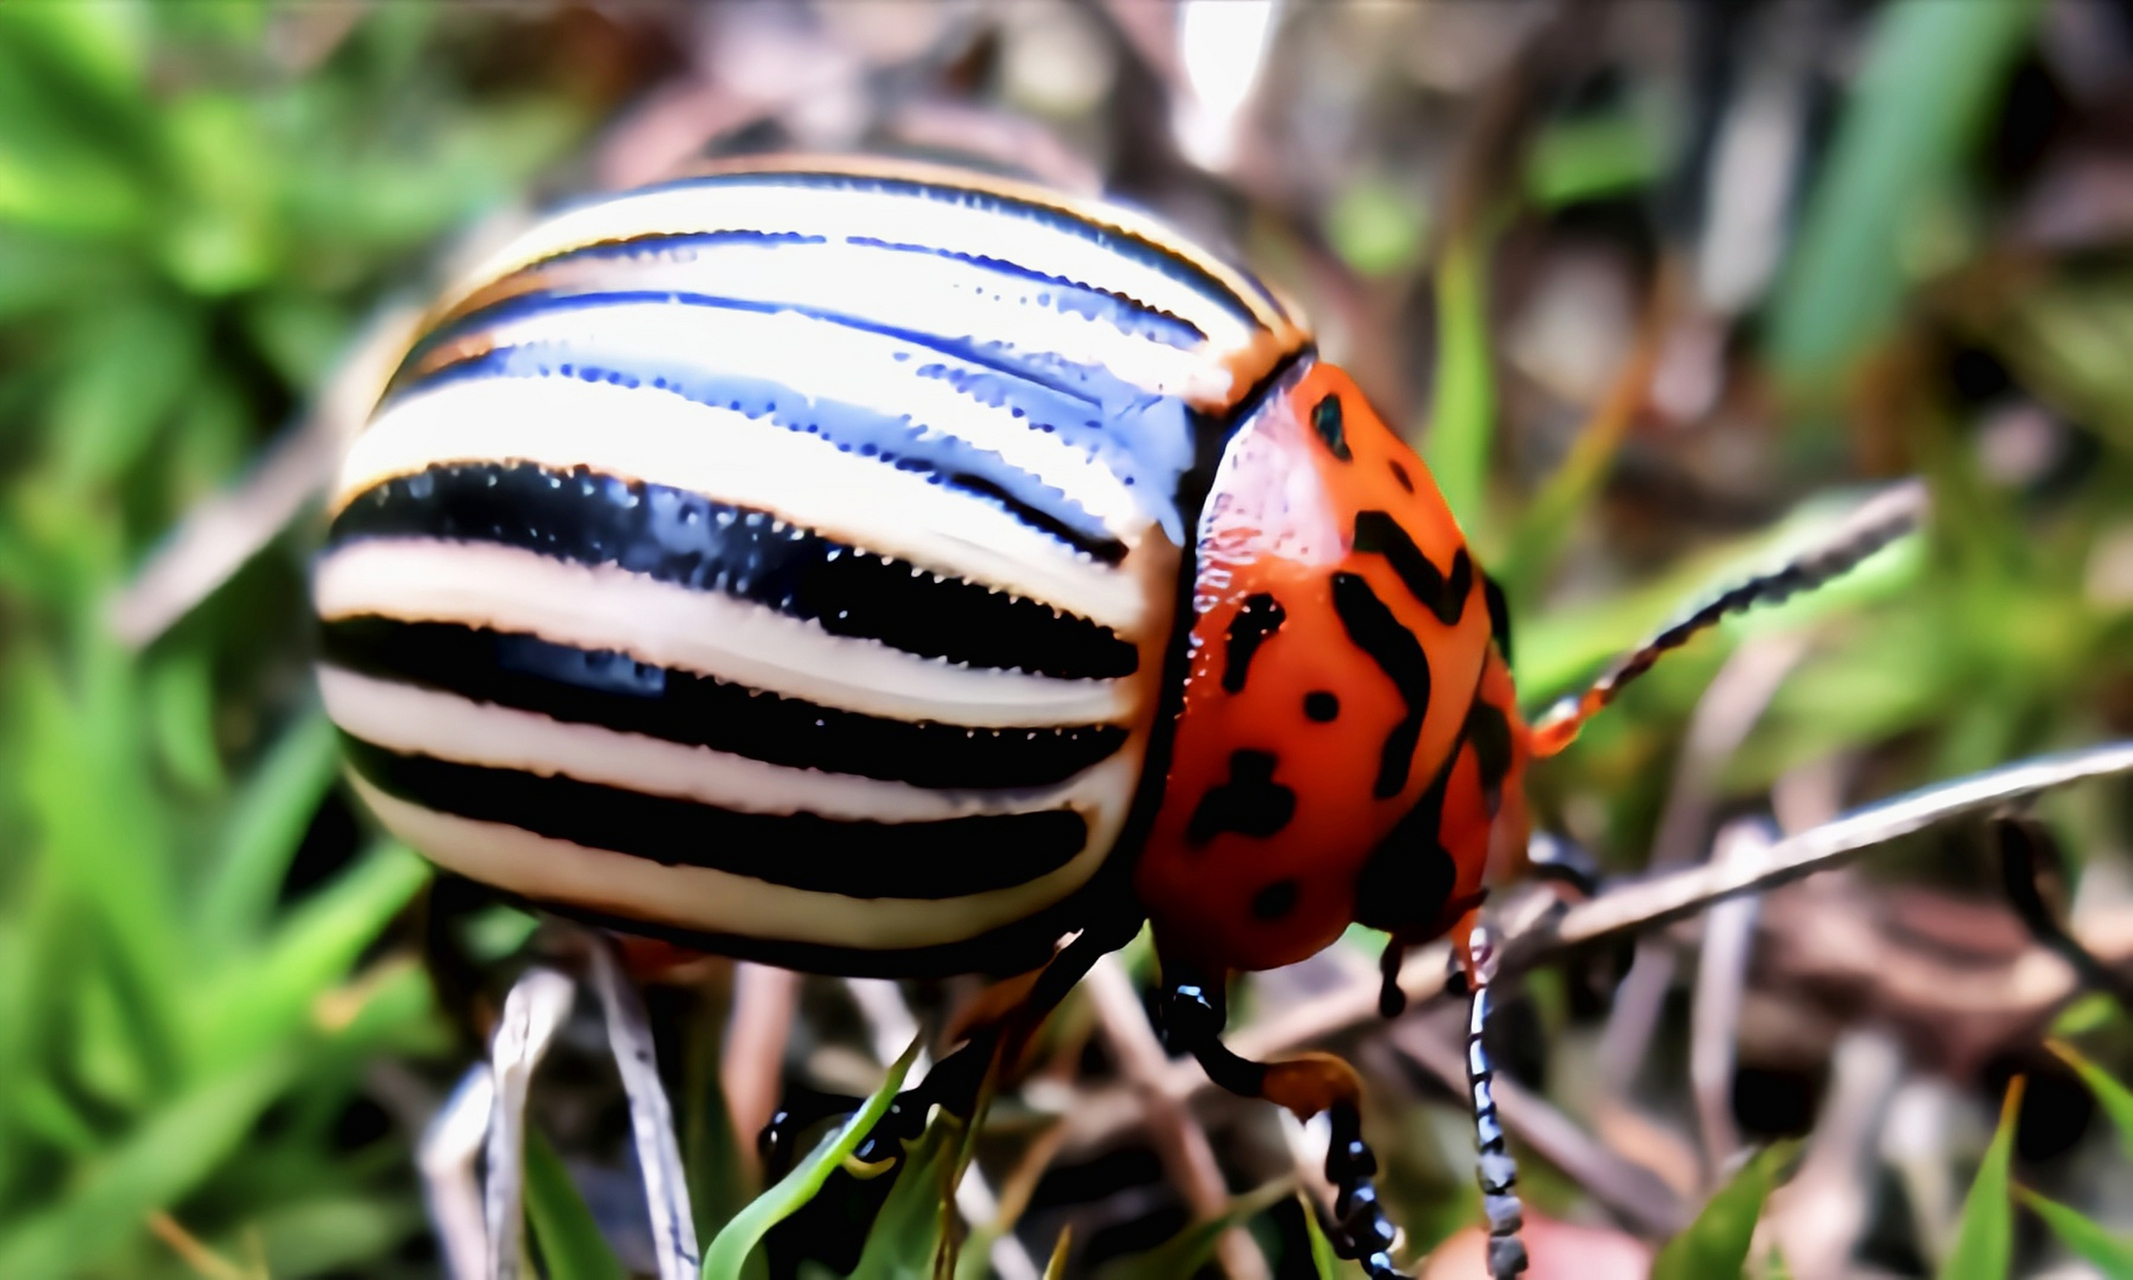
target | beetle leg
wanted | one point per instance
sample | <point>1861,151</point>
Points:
<point>1497,1171</point>
<point>2029,859</point>
<point>666,1188</point>
<point>955,1082</point>
<point>535,1009</point>
<point>1193,1015</point>
<point>800,1109</point>
<point>1559,860</point>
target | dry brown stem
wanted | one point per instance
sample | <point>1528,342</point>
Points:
<point>1178,1137</point>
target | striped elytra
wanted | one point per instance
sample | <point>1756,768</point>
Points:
<point>879,568</point>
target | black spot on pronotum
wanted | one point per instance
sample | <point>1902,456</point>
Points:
<point>1326,421</point>
<point>1321,706</point>
<point>1275,901</point>
<point>1394,648</point>
<point>1257,618</point>
<point>1251,803</point>
<point>1499,614</point>
<point>1400,476</point>
<point>1377,533</point>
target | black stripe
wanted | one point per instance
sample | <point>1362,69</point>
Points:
<point>601,687</point>
<point>941,456</point>
<point>1122,311</point>
<point>1378,533</point>
<point>1105,550</point>
<point>943,859</point>
<point>1118,423</point>
<point>1018,947</point>
<point>684,538</point>
<point>640,261</point>
<point>1394,648</point>
<point>1126,244</point>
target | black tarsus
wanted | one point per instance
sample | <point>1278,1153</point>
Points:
<point>1496,1171</point>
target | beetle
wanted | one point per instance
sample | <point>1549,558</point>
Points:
<point>874,567</point>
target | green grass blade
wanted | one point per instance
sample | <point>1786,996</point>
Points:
<point>729,1251</point>
<point>2115,1098</point>
<point>1189,1250</point>
<point>1548,520</point>
<point>163,1159</point>
<point>264,831</point>
<point>1325,1263</point>
<point>1717,1243</point>
<point>271,995</point>
<point>1462,422</point>
<point>572,1247</point>
<point>2110,1253</point>
<point>105,831</point>
<point>1984,1239</point>
<point>1931,71</point>
<point>909,1233</point>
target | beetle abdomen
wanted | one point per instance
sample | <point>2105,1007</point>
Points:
<point>786,558</point>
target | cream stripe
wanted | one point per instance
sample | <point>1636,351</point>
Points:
<point>686,897</point>
<point>413,720</point>
<point>657,437</point>
<point>606,607</point>
<point>921,292</point>
<point>824,360</point>
<point>900,219</point>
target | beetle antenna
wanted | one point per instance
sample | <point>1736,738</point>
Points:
<point>1878,522</point>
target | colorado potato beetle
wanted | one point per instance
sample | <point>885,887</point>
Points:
<point>869,567</point>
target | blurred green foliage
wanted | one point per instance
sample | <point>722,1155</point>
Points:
<point>1717,1243</point>
<point>193,219</point>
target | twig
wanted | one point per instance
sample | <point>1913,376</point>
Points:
<point>1178,1137</point>
<point>217,537</point>
<point>1817,1217</point>
<point>751,1072</point>
<point>193,1250</point>
<point>533,1012</point>
<point>450,1145</point>
<point>1638,905</point>
<point>1714,1020</point>
<point>1729,708</point>
<point>666,1184</point>
<point>1661,900</point>
<point>1629,1189</point>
